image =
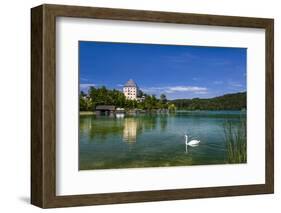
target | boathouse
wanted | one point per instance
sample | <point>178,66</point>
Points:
<point>105,110</point>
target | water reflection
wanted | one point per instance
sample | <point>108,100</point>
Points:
<point>187,147</point>
<point>85,124</point>
<point>163,122</point>
<point>149,140</point>
<point>103,129</point>
<point>98,130</point>
<point>130,130</point>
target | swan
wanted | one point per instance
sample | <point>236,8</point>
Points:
<point>192,142</point>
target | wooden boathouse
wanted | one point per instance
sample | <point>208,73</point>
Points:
<point>108,110</point>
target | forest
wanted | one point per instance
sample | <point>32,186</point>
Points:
<point>235,101</point>
<point>103,96</point>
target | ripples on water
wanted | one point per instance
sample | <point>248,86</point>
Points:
<point>153,140</point>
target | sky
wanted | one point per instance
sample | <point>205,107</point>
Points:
<point>177,71</point>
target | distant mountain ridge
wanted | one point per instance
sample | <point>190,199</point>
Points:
<point>233,101</point>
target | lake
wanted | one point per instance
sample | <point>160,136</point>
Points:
<point>154,140</point>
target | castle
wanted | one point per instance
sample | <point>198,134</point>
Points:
<point>131,90</point>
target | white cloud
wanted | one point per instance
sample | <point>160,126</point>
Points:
<point>187,89</point>
<point>174,89</point>
<point>152,89</point>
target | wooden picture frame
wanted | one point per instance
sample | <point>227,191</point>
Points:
<point>43,105</point>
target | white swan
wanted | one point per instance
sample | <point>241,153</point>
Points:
<point>192,142</point>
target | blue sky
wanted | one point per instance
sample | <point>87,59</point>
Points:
<point>177,71</point>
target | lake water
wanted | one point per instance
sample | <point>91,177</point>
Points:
<point>154,140</point>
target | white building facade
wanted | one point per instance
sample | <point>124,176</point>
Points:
<point>131,90</point>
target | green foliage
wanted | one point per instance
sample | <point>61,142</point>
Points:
<point>172,107</point>
<point>236,101</point>
<point>236,144</point>
<point>85,103</point>
<point>104,96</point>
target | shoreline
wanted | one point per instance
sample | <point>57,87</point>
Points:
<point>155,112</point>
<point>86,113</point>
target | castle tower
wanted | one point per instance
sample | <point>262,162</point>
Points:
<point>131,90</point>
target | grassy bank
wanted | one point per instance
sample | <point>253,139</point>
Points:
<point>86,113</point>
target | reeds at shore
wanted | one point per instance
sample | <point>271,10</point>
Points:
<point>236,141</point>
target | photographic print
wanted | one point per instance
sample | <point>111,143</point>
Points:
<point>134,106</point>
<point>155,105</point>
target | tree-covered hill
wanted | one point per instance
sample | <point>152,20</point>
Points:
<point>104,96</point>
<point>235,101</point>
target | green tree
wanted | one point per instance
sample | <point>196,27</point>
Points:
<point>172,107</point>
<point>163,99</point>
